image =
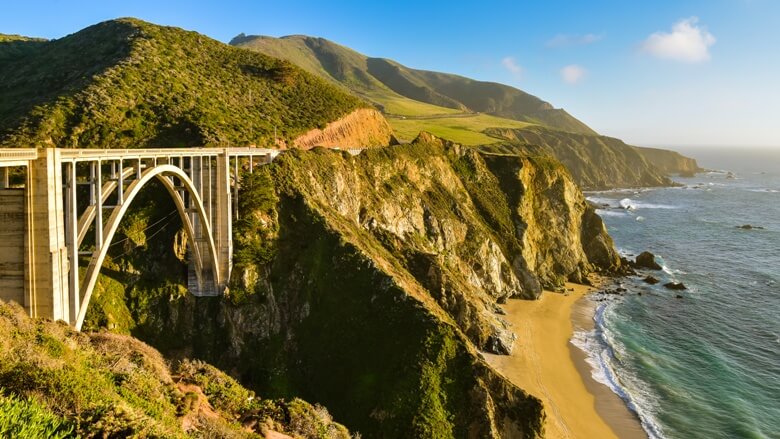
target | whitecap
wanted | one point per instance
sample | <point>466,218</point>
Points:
<point>629,204</point>
<point>671,271</point>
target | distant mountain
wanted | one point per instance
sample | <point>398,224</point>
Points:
<point>127,83</point>
<point>391,86</point>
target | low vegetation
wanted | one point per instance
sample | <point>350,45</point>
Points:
<point>58,383</point>
<point>127,83</point>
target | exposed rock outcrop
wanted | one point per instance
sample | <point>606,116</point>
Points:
<point>361,128</point>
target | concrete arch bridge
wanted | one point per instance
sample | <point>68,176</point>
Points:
<point>45,220</point>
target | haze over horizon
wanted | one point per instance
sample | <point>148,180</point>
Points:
<point>691,73</point>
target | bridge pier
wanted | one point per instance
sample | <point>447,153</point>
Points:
<point>46,253</point>
<point>223,221</point>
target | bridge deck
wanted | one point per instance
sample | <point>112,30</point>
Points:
<point>22,156</point>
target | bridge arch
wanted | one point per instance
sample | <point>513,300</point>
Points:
<point>165,174</point>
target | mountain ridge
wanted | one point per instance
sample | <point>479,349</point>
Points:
<point>380,80</point>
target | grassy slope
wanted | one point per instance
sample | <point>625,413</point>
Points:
<point>464,129</point>
<point>342,66</point>
<point>55,382</point>
<point>395,88</point>
<point>126,83</point>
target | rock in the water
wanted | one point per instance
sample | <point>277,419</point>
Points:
<point>675,286</point>
<point>679,296</point>
<point>646,260</point>
<point>651,280</point>
<point>749,227</point>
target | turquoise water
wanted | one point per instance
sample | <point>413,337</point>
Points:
<point>706,365</point>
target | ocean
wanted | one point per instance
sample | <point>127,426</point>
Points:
<point>706,365</point>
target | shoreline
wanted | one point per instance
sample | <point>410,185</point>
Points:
<point>547,365</point>
<point>609,406</point>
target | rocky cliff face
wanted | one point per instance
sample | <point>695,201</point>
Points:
<point>359,129</point>
<point>670,162</point>
<point>369,283</point>
<point>595,162</point>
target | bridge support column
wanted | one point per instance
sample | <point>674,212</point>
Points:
<point>223,219</point>
<point>46,257</point>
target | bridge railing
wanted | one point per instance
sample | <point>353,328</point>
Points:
<point>17,156</point>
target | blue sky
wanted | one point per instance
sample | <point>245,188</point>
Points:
<point>669,73</point>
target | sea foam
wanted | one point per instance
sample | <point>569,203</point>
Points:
<point>599,348</point>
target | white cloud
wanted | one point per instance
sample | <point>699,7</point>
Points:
<point>510,64</point>
<point>573,74</point>
<point>687,42</point>
<point>563,40</point>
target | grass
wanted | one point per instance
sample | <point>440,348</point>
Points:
<point>465,130</point>
<point>395,104</point>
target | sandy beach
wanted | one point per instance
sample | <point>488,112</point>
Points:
<point>547,365</point>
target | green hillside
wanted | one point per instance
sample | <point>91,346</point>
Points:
<point>390,85</point>
<point>127,83</point>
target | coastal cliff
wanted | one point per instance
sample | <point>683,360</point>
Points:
<point>670,162</point>
<point>595,162</point>
<point>361,128</point>
<point>369,284</point>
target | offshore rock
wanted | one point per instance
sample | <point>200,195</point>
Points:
<point>647,260</point>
